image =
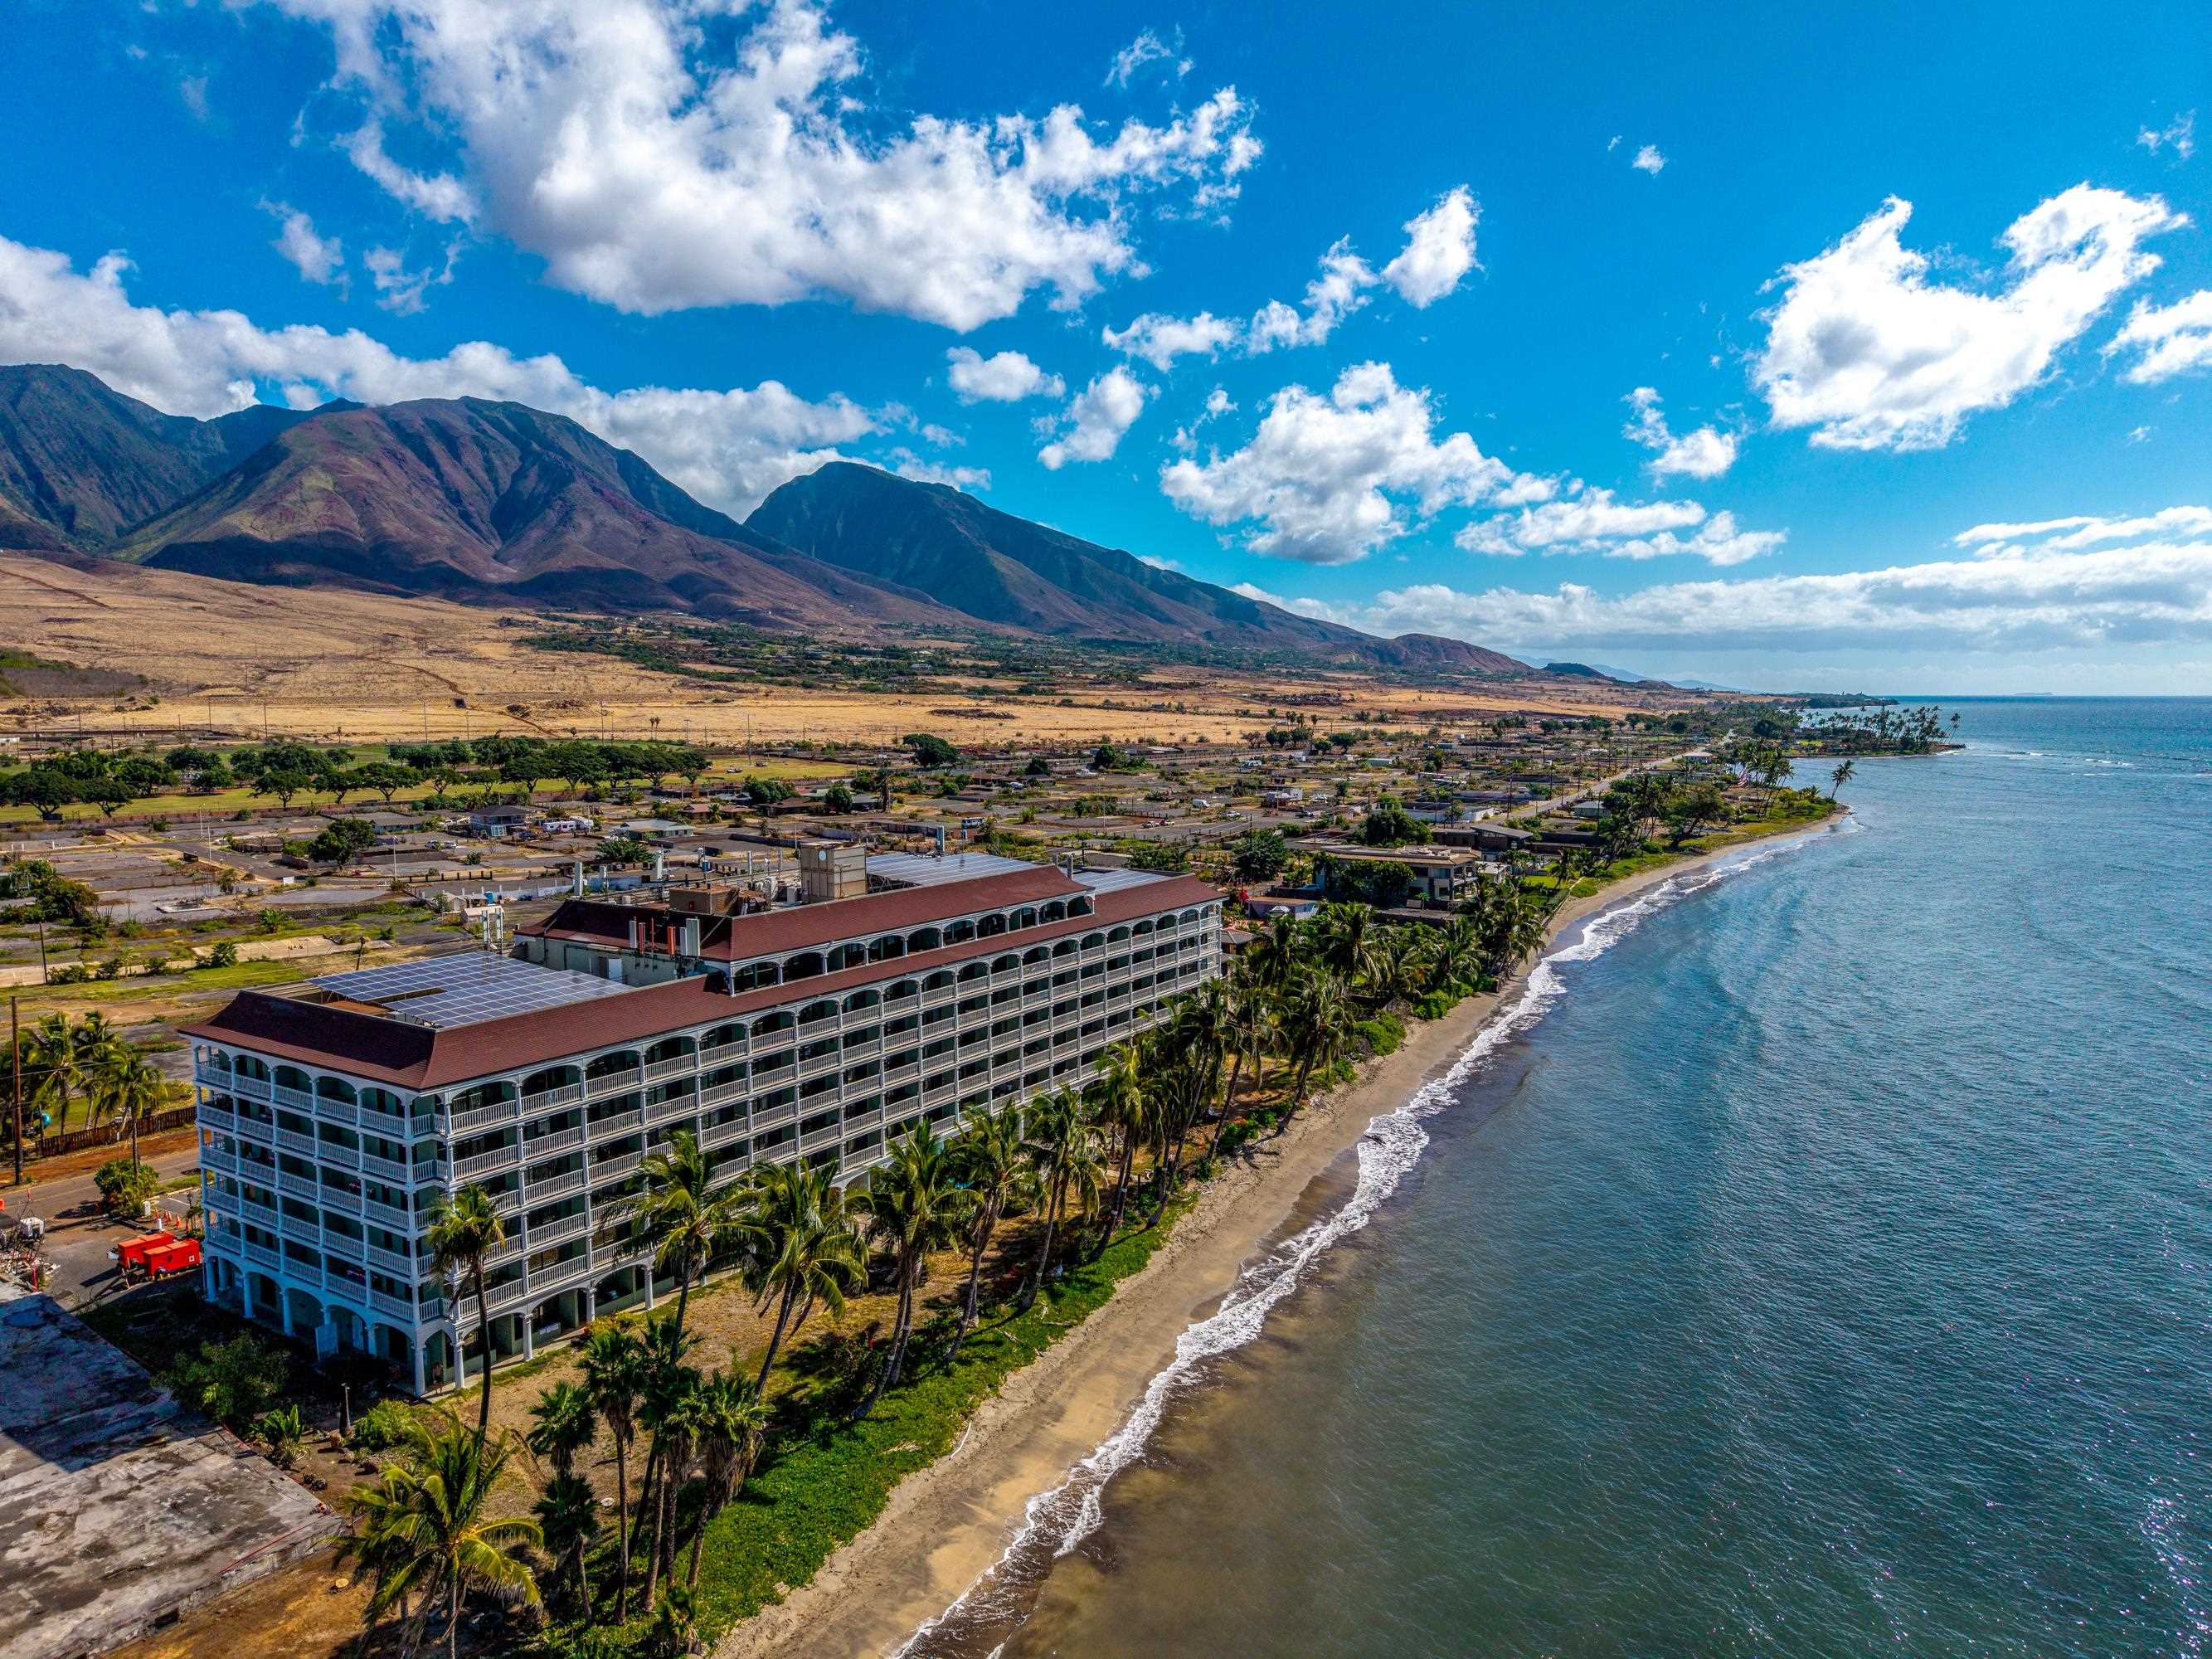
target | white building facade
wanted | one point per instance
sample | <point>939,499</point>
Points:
<point>335,1121</point>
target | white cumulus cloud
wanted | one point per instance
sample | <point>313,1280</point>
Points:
<point>1098,416</point>
<point>1870,354</point>
<point>1148,48</point>
<point>1649,160</point>
<point>2156,592</point>
<point>1004,378</point>
<point>2169,340</point>
<point>657,163</point>
<point>1160,339</point>
<point>2179,135</point>
<point>727,447</point>
<point>1707,452</point>
<point>1439,251</point>
<point>908,465</point>
<point>1593,521</point>
<point>400,289</point>
<point>1326,480</point>
<point>1584,520</point>
<point>319,259</point>
<point>2087,530</point>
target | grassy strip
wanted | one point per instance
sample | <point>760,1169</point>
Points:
<point>827,1482</point>
<point>182,809</point>
<point>147,987</point>
<point>1740,835</point>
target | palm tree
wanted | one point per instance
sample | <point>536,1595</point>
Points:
<point>992,1163</point>
<point>566,1423</point>
<point>915,1204</point>
<point>92,1037</point>
<point>424,1527</point>
<point>800,1249</point>
<point>1203,1028</point>
<point>733,1424</point>
<point>464,1231</point>
<point>1348,939</point>
<point>1123,1107</point>
<point>51,1056</point>
<point>613,1368</point>
<point>126,1087</point>
<point>682,1216</point>
<point>568,1520</point>
<point>669,1414</point>
<point>1843,774</point>
<point>1248,1026</point>
<point>1401,966</point>
<point>1064,1147</point>
<point>1277,950</point>
<point>1457,949</point>
<point>1318,1023</point>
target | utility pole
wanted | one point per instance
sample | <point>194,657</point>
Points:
<point>15,1050</point>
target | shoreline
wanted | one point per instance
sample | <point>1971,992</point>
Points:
<point>877,1589</point>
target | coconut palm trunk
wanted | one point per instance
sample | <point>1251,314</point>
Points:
<point>1228,1103</point>
<point>621,1528</point>
<point>775,1339</point>
<point>1044,1251</point>
<point>483,1337</point>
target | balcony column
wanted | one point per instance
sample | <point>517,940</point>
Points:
<point>415,1345</point>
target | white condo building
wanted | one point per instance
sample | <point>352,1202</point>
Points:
<point>335,1115</point>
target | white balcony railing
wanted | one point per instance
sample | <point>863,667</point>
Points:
<point>391,1262</point>
<point>398,1307</point>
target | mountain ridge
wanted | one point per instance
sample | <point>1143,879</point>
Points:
<point>487,502</point>
<point>998,567</point>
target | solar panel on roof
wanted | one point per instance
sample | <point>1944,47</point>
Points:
<point>465,989</point>
<point>1107,881</point>
<point>924,870</point>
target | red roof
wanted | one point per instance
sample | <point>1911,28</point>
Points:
<point>418,1057</point>
<point>767,932</point>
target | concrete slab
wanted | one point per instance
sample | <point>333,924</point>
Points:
<point>118,1508</point>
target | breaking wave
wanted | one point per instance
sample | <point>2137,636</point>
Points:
<point>1057,1521</point>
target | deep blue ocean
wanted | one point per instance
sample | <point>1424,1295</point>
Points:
<point>1821,1266</point>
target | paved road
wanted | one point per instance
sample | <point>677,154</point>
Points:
<point>78,1234</point>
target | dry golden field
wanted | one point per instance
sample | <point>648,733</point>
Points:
<point>229,658</point>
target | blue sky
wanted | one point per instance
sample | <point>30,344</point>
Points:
<point>1603,334</point>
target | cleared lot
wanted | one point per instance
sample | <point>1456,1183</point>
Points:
<point>121,1509</point>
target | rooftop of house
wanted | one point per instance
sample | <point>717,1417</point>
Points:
<point>1352,849</point>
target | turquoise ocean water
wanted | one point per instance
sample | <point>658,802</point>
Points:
<point>1821,1264</point>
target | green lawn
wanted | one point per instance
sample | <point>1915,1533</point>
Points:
<point>238,977</point>
<point>1719,841</point>
<point>825,1480</point>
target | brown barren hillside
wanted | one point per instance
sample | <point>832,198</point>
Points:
<point>232,657</point>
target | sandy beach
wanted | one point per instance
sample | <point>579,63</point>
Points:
<point>946,1525</point>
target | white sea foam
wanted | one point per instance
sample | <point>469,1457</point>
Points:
<point>1061,1519</point>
